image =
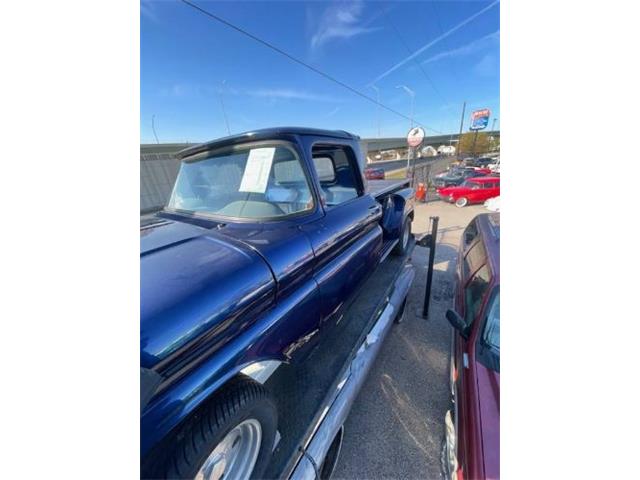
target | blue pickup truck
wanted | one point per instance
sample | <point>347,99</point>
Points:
<point>268,283</point>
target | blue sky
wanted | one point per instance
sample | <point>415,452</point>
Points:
<point>188,62</point>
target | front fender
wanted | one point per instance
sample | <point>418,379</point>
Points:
<point>397,207</point>
<point>276,333</point>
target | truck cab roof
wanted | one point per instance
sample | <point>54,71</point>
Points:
<point>275,133</point>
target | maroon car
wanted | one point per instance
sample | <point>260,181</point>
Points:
<point>374,173</point>
<point>472,446</point>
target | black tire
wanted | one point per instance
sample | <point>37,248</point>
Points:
<point>400,315</point>
<point>238,401</point>
<point>403,242</point>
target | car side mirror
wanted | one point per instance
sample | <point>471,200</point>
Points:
<point>468,237</point>
<point>457,322</point>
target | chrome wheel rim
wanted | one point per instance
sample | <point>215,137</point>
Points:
<point>235,456</point>
<point>461,202</point>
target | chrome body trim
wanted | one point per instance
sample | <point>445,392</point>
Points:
<point>336,414</point>
<point>261,371</point>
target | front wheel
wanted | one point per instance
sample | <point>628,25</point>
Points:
<point>403,242</point>
<point>461,202</point>
<point>232,438</point>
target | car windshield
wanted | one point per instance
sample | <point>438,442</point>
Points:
<point>244,182</point>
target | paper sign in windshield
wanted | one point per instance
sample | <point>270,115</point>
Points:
<point>256,172</point>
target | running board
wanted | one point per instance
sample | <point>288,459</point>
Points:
<point>388,246</point>
<point>336,413</point>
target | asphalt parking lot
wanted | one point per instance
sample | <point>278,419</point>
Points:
<point>396,426</point>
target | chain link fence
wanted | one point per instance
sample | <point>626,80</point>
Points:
<point>424,172</point>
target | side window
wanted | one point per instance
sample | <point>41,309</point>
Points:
<point>324,168</point>
<point>470,234</point>
<point>491,334</point>
<point>475,257</point>
<point>337,172</point>
<point>474,293</point>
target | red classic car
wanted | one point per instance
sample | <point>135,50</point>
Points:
<point>472,190</point>
<point>372,173</point>
<point>472,446</point>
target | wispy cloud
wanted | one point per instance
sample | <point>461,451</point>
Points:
<point>332,112</point>
<point>434,42</point>
<point>487,66</point>
<point>148,10</point>
<point>289,94</point>
<point>340,20</point>
<point>188,90</point>
<point>467,49</point>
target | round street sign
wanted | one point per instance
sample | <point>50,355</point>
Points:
<point>415,136</point>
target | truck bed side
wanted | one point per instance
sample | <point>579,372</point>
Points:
<point>382,188</point>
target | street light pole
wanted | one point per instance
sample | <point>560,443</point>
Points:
<point>153,127</point>
<point>377,106</point>
<point>412,94</point>
<point>224,112</point>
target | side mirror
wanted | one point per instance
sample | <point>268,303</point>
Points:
<point>457,322</point>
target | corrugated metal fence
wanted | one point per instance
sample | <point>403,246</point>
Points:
<point>158,171</point>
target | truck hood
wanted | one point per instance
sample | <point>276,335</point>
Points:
<point>197,289</point>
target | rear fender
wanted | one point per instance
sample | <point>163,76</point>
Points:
<point>397,206</point>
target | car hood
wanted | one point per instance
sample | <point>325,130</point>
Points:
<point>489,398</point>
<point>197,287</point>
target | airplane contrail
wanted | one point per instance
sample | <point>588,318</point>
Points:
<point>433,42</point>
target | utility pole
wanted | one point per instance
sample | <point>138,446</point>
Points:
<point>464,106</point>
<point>377,106</point>
<point>224,112</point>
<point>493,125</point>
<point>153,127</point>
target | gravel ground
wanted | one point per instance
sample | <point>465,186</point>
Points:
<point>396,426</point>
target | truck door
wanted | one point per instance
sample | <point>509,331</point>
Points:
<point>348,239</point>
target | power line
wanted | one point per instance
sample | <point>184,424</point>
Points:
<point>400,37</point>
<point>298,61</point>
<point>451,68</point>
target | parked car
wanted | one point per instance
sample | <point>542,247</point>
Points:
<point>495,166</point>
<point>472,447</point>
<point>373,173</point>
<point>483,161</point>
<point>493,204</point>
<point>252,266</point>
<point>457,175</point>
<point>472,190</point>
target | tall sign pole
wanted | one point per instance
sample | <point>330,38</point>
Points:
<point>415,137</point>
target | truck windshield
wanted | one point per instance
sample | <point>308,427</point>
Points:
<point>246,182</point>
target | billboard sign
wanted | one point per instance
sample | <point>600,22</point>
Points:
<point>480,119</point>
